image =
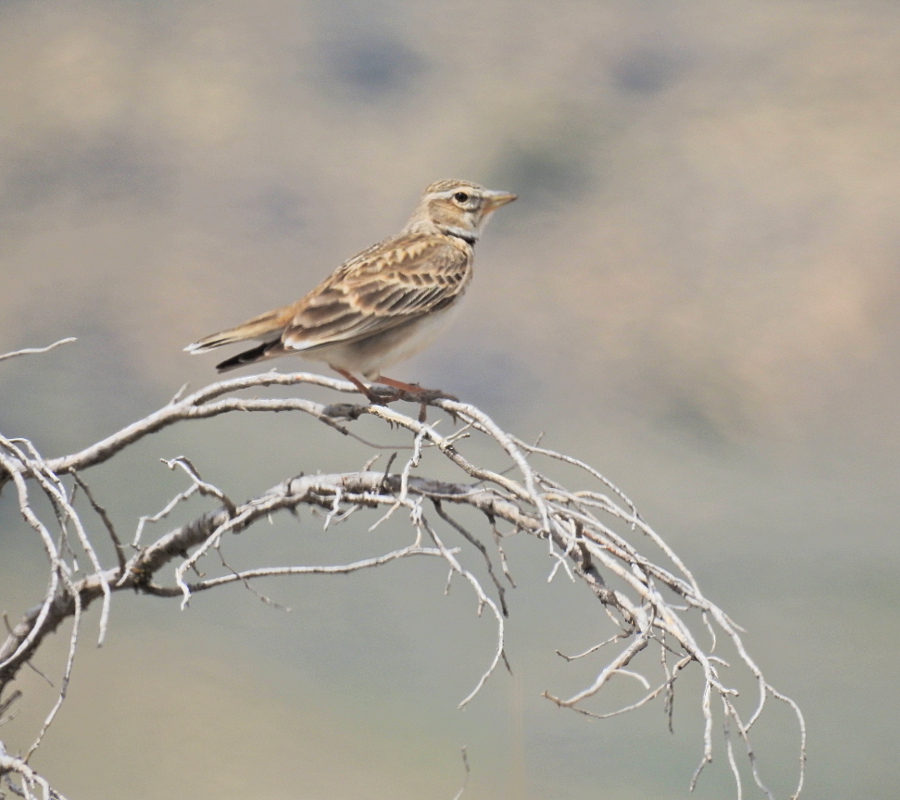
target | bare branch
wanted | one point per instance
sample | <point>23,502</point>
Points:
<point>501,590</point>
<point>465,760</point>
<point>592,532</point>
<point>104,516</point>
<point>29,780</point>
<point>274,572</point>
<point>30,351</point>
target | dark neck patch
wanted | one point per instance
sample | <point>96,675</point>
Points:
<point>468,239</point>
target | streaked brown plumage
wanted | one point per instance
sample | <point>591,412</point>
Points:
<point>385,304</point>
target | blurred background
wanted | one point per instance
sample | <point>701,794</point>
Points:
<point>697,292</point>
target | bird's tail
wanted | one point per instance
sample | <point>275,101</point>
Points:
<point>261,352</point>
<point>266,326</point>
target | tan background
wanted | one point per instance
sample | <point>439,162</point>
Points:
<point>697,291</point>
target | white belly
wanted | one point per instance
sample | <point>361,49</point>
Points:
<point>370,357</point>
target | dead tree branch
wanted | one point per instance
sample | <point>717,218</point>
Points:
<point>592,532</point>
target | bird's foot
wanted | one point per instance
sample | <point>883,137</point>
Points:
<point>391,390</point>
<point>413,392</point>
<point>430,395</point>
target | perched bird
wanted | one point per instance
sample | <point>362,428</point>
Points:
<point>384,305</point>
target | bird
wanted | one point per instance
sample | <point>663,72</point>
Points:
<point>383,305</point>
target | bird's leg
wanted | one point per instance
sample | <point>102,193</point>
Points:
<point>372,397</point>
<point>410,388</point>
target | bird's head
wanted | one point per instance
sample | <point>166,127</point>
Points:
<point>458,208</point>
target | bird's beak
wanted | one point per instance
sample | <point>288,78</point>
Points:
<point>497,199</point>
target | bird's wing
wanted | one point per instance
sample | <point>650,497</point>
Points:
<point>393,282</point>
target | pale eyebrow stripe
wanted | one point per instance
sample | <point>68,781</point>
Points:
<point>445,195</point>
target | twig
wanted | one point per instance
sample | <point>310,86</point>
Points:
<point>104,516</point>
<point>465,760</point>
<point>29,351</point>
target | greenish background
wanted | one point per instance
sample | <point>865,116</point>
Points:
<point>697,292</point>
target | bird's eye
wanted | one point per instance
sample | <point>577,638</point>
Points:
<point>461,197</point>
